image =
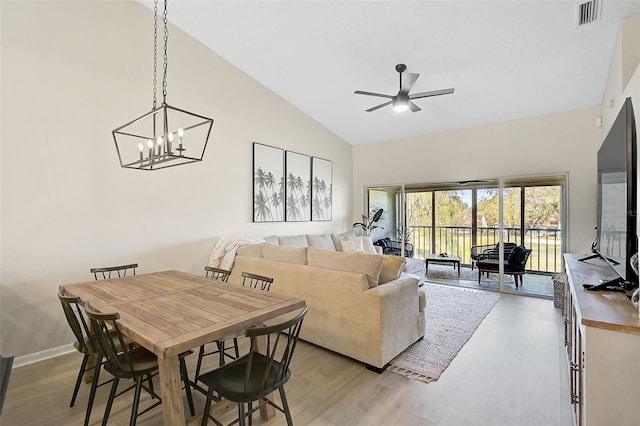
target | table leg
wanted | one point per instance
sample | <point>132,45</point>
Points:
<point>171,388</point>
<point>458,269</point>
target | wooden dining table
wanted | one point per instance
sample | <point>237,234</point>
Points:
<point>171,312</point>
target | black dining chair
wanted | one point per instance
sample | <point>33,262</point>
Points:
<point>107,271</point>
<point>129,362</point>
<point>216,273</point>
<point>248,280</point>
<point>262,371</point>
<point>85,344</point>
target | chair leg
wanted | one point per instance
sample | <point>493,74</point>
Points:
<point>241,414</point>
<point>136,402</point>
<point>112,394</point>
<point>285,406</point>
<point>235,344</point>
<point>187,386</point>
<point>250,406</point>
<point>83,366</point>
<point>199,364</point>
<point>94,386</point>
<point>152,391</point>
<point>221,351</point>
<point>207,407</point>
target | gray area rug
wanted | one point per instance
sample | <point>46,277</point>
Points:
<point>452,315</point>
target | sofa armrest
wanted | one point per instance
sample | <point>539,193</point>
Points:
<point>392,318</point>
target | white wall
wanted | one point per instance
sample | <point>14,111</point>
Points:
<point>549,144</point>
<point>71,73</point>
<point>624,77</point>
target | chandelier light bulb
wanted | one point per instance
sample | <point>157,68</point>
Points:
<point>140,147</point>
<point>170,137</point>
<point>150,143</point>
<point>180,132</point>
<point>159,140</point>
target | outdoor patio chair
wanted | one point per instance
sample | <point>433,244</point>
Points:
<point>514,262</point>
<point>488,250</point>
<point>394,248</point>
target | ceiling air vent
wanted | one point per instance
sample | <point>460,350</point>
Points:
<point>588,12</point>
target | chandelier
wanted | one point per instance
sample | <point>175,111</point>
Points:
<point>166,136</point>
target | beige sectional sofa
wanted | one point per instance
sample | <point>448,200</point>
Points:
<point>360,304</point>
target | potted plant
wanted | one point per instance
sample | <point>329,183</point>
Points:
<point>369,224</point>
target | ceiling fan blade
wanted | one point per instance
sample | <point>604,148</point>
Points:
<point>408,80</point>
<point>432,93</point>
<point>413,107</point>
<point>378,106</point>
<point>360,92</point>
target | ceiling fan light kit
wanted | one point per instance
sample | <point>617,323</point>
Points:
<point>402,100</point>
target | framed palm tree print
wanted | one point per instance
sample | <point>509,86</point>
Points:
<point>268,183</point>
<point>297,187</point>
<point>321,189</point>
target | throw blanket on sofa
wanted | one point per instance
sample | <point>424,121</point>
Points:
<point>224,251</point>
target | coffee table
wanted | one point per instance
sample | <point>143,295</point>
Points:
<point>436,258</point>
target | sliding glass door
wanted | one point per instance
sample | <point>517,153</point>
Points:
<point>460,218</point>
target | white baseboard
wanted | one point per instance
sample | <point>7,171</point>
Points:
<point>21,361</point>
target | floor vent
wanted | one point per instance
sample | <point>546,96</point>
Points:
<point>588,12</point>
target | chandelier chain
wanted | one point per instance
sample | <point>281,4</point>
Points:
<point>164,58</point>
<point>155,52</point>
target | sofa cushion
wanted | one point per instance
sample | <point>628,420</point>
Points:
<point>273,239</point>
<point>293,241</point>
<point>321,241</point>
<point>338,238</point>
<point>367,244</point>
<point>392,267</point>
<point>354,244</point>
<point>285,254</point>
<point>251,250</point>
<point>368,264</point>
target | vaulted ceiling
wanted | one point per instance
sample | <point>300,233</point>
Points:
<point>505,59</point>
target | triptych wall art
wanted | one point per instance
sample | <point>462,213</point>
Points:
<point>289,186</point>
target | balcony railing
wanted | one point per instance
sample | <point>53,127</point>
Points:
<point>546,243</point>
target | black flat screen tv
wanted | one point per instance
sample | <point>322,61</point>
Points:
<point>617,197</point>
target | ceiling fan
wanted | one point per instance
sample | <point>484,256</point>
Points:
<point>402,101</point>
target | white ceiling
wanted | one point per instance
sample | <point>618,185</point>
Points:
<point>505,59</point>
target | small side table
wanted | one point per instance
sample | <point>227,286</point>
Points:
<point>436,258</point>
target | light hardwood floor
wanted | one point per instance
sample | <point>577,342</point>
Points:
<point>511,372</point>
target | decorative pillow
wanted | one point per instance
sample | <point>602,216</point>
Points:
<point>368,264</point>
<point>338,238</point>
<point>321,241</point>
<point>367,244</point>
<point>273,239</point>
<point>251,250</point>
<point>284,254</point>
<point>392,267</point>
<point>353,245</point>
<point>293,241</point>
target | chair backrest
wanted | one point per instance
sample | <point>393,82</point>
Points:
<point>5,374</point>
<point>255,280</point>
<point>72,307</point>
<point>281,340</point>
<point>110,339</point>
<point>217,273</point>
<point>106,271</point>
